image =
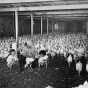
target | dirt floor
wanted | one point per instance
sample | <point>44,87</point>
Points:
<point>58,75</point>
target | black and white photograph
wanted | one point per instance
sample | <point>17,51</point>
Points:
<point>43,43</point>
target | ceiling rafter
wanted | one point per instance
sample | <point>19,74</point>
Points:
<point>39,4</point>
<point>63,2</point>
<point>27,4</point>
<point>5,5</point>
<point>17,5</point>
<point>51,3</point>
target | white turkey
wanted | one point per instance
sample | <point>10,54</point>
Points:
<point>49,87</point>
<point>79,67</point>
<point>43,60</point>
<point>69,60</point>
<point>85,85</point>
<point>58,51</point>
<point>52,54</point>
<point>87,67</point>
<point>65,54</point>
<point>61,51</point>
<point>29,62</point>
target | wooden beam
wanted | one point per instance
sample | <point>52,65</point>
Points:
<point>62,12</point>
<point>73,15</point>
<point>20,1</point>
<point>72,18</point>
<point>38,8</point>
<point>48,13</point>
<point>59,17</point>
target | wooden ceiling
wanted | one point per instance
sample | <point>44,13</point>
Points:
<point>35,3</point>
<point>61,9</point>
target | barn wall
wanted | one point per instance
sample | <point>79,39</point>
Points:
<point>24,26</point>
<point>7,25</point>
<point>69,26</point>
<point>37,25</point>
<point>72,27</point>
<point>61,26</point>
<point>44,26</point>
<point>84,26</point>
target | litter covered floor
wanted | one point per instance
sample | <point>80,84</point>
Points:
<point>58,75</point>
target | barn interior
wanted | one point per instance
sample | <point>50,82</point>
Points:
<point>52,24</point>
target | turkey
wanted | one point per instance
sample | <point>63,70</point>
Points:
<point>85,85</point>
<point>79,67</point>
<point>87,67</point>
<point>61,51</point>
<point>52,54</point>
<point>69,60</point>
<point>75,57</point>
<point>42,60</point>
<point>29,62</point>
<point>65,54</point>
<point>58,51</point>
<point>49,87</point>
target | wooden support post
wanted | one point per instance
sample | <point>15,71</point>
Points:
<point>52,25</point>
<point>41,25</point>
<point>31,25</point>
<point>47,26</point>
<point>16,28</point>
